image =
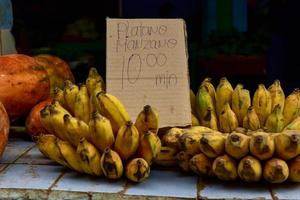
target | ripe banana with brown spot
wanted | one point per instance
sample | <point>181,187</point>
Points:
<point>237,145</point>
<point>294,170</point>
<point>70,92</point>
<point>212,144</point>
<point>171,137</point>
<point>287,144</point>
<point>249,169</point>
<point>275,121</point>
<point>166,157</point>
<point>111,164</point>
<point>211,90</point>
<point>251,120</point>
<point>201,165</point>
<point>276,171</point>
<point>137,170</point>
<point>195,121</point>
<point>58,95</point>
<point>82,104</point>
<point>210,119</point>
<point>241,101</point>
<point>227,119</point>
<point>147,120</point>
<point>262,145</point>
<point>149,147</point>
<point>291,107</point>
<point>93,80</point>
<point>189,143</point>
<point>225,168</point>
<point>183,160</point>
<point>294,125</point>
<point>223,94</point>
<point>262,103</point>
<point>277,95</point>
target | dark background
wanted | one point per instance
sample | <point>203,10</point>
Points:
<point>267,51</point>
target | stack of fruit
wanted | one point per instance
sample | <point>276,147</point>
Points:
<point>233,137</point>
<point>90,131</point>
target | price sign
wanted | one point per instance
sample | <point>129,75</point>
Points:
<point>147,64</point>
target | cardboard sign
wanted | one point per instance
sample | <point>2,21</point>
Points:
<point>147,64</point>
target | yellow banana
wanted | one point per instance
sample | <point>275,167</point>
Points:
<point>201,165</point>
<point>210,119</point>
<point>111,164</point>
<point>276,171</point>
<point>58,95</point>
<point>147,120</point>
<point>137,170</point>
<point>240,102</point>
<point>249,169</point>
<point>223,94</point>
<point>294,125</point>
<point>70,92</point>
<point>291,107</point>
<point>149,147</point>
<point>111,108</point>
<point>46,119</point>
<point>189,143</point>
<point>93,98</point>
<point>195,121</point>
<point>237,145</point>
<point>227,119</point>
<point>277,95</point>
<point>101,132</point>
<point>251,120</point>
<point>211,90</point>
<point>183,161</point>
<point>287,144</point>
<point>197,129</point>
<point>275,121</point>
<point>171,137</point>
<point>94,79</point>
<point>262,145</point>
<point>193,101</point>
<point>294,170</point>
<point>82,105</point>
<point>224,167</point>
<point>212,144</point>
<point>89,157</point>
<point>262,103</point>
<point>166,157</point>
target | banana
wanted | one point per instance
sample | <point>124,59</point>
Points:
<point>249,169</point>
<point>237,145</point>
<point>262,103</point>
<point>70,92</point>
<point>127,140</point>
<point>212,144</point>
<point>89,157</point>
<point>147,120</point>
<point>58,95</point>
<point>111,108</point>
<point>210,119</point>
<point>171,138</point>
<point>166,157</point>
<point>227,119</point>
<point>101,133</point>
<point>197,129</point>
<point>291,107</point>
<point>195,121</point>
<point>94,79</point>
<point>294,125</point>
<point>277,95</point>
<point>82,104</point>
<point>75,129</point>
<point>211,89</point>
<point>201,165</point>
<point>111,164</point>
<point>287,144</point>
<point>189,143</point>
<point>223,94</point>
<point>275,121</point>
<point>193,101</point>
<point>46,119</point>
<point>294,170</point>
<point>240,102</point>
<point>149,147</point>
<point>47,146</point>
<point>224,167</point>
<point>183,161</point>
<point>69,154</point>
<point>275,171</point>
<point>251,120</point>
<point>262,145</point>
<point>93,98</point>
<point>137,170</point>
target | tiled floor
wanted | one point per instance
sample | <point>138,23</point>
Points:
<point>25,173</point>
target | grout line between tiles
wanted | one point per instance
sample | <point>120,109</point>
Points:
<point>125,187</point>
<point>200,186</point>
<point>272,193</point>
<point>56,180</point>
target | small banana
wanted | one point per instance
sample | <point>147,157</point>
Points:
<point>227,119</point>
<point>287,144</point>
<point>111,108</point>
<point>291,107</point>
<point>276,171</point>
<point>240,102</point>
<point>166,157</point>
<point>193,101</point>
<point>171,137</point>
<point>223,94</point>
<point>189,143</point>
<point>201,165</point>
<point>82,104</point>
<point>251,120</point>
<point>183,161</point>
<point>210,119</point>
<point>58,95</point>
<point>75,129</point>
<point>93,98</point>
<point>197,129</point>
<point>262,145</point>
<point>262,103</point>
<point>212,144</point>
<point>46,119</point>
<point>111,164</point>
<point>93,79</point>
<point>277,95</point>
<point>147,120</point>
<point>211,89</point>
<point>101,133</point>
<point>249,169</point>
<point>275,121</point>
<point>149,147</point>
<point>195,121</point>
<point>137,170</point>
<point>237,145</point>
<point>224,167</point>
<point>294,125</point>
<point>127,140</point>
<point>294,170</point>
<point>70,92</point>
<point>89,157</point>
